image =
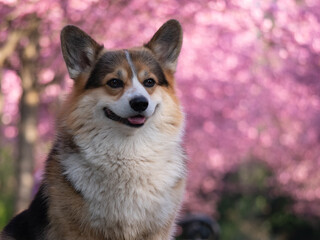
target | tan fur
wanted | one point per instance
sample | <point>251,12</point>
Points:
<point>69,211</point>
<point>72,204</point>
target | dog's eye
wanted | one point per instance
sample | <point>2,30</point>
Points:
<point>115,83</point>
<point>149,82</point>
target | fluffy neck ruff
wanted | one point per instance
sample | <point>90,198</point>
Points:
<point>124,175</point>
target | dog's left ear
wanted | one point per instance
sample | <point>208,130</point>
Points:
<point>166,44</point>
<point>79,50</point>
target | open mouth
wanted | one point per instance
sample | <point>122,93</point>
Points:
<point>134,121</point>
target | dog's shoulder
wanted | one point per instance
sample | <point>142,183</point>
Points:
<point>30,224</point>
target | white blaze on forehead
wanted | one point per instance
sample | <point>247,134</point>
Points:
<point>130,63</point>
<point>137,88</point>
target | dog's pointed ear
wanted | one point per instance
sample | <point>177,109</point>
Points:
<point>166,44</point>
<point>79,50</point>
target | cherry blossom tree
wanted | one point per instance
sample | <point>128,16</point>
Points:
<point>248,78</point>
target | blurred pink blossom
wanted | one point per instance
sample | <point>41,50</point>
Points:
<point>248,78</point>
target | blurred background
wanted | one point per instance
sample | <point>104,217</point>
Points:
<point>249,80</point>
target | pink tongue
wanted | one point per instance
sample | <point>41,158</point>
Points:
<point>137,120</point>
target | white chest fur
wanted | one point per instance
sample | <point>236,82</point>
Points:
<point>129,182</point>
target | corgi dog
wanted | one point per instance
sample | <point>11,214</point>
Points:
<point>117,167</point>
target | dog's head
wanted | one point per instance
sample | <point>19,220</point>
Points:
<point>121,87</point>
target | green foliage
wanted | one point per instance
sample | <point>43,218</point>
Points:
<point>250,209</point>
<point>6,186</point>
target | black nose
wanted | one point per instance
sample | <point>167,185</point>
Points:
<point>139,104</point>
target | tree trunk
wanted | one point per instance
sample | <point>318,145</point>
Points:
<point>29,104</point>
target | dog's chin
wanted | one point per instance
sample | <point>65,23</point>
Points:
<point>134,121</point>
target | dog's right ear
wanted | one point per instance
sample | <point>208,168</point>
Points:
<point>79,50</point>
<point>166,44</point>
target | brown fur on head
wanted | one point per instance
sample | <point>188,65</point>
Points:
<point>80,51</point>
<point>122,76</point>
